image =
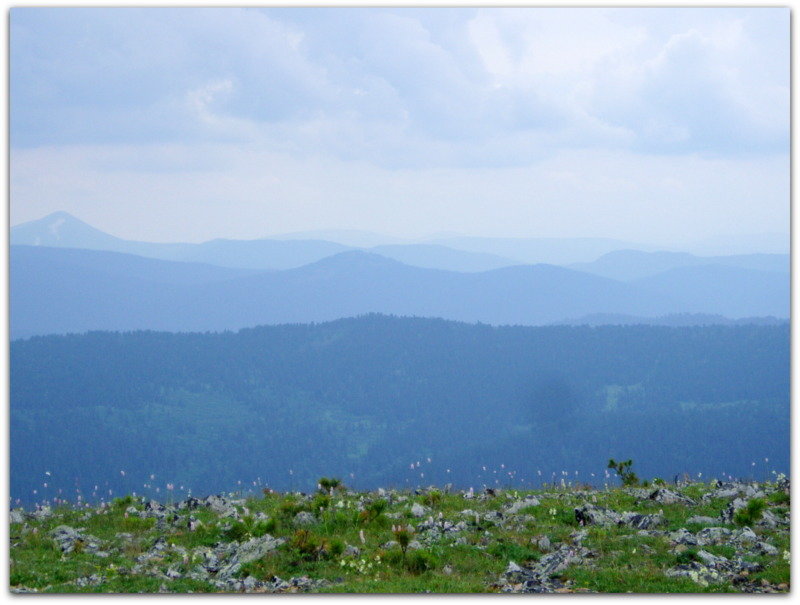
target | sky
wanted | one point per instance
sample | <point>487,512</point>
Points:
<point>642,124</point>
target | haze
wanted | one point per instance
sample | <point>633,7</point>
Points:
<point>660,125</point>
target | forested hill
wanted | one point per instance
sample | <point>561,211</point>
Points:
<point>374,394</point>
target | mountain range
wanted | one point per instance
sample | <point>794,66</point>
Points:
<point>76,278</point>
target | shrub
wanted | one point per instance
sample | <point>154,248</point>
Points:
<point>327,485</point>
<point>306,544</point>
<point>433,498</point>
<point>373,511</point>
<point>419,561</point>
<point>236,532</point>
<point>779,498</point>
<point>750,513</point>
<point>687,556</point>
<point>624,472</point>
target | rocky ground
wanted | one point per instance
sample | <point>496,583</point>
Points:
<point>691,537</point>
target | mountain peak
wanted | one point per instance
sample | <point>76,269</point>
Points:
<point>59,229</point>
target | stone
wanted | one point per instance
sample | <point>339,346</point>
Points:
<point>666,496</point>
<point>68,538</point>
<point>304,519</point>
<point>683,536</point>
<point>351,551</point>
<point>589,514</point>
<point>251,550</point>
<point>417,510</point>
<point>519,505</point>
<point>16,516</point>
<point>713,535</point>
<point>701,520</point>
<point>543,544</point>
<point>727,514</point>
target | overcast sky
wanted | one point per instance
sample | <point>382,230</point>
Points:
<point>651,125</point>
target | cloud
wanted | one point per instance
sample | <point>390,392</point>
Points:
<point>438,84</point>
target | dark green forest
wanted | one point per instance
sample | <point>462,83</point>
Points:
<point>364,399</point>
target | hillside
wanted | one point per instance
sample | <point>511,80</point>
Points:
<point>370,395</point>
<point>61,290</point>
<point>710,537</point>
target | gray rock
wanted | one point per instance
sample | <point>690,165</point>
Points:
<point>417,510</point>
<point>68,538</point>
<point>16,516</point>
<point>730,510</point>
<point>520,504</point>
<point>713,535</point>
<point>589,514</point>
<point>42,512</point>
<point>683,536</point>
<point>701,520</point>
<point>769,520</point>
<point>666,496</point>
<point>304,519</point>
<point>249,551</point>
<point>351,551</point>
<point>543,544</point>
<point>222,506</point>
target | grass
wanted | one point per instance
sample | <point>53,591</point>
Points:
<point>467,561</point>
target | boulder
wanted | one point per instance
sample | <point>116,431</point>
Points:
<point>514,508</point>
<point>246,552</point>
<point>666,496</point>
<point>304,519</point>
<point>417,510</point>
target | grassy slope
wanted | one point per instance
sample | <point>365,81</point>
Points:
<point>623,562</point>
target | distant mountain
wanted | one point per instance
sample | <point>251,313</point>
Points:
<point>64,230</point>
<point>627,265</point>
<point>56,291</point>
<point>434,256</point>
<point>725,290</point>
<point>557,251</point>
<point>352,238</point>
<point>673,319</point>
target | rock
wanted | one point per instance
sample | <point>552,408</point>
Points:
<point>249,551</point>
<point>639,521</point>
<point>304,519</point>
<point>543,543</point>
<point>417,510</point>
<point>16,516</point>
<point>769,520</point>
<point>221,505</point>
<point>700,520</point>
<point>730,510</point>
<point>666,496</point>
<point>42,512</point>
<point>589,514</point>
<point>683,536</point>
<point>577,537</point>
<point>414,545</point>
<point>519,505</point>
<point>68,538</point>
<point>351,551</point>
<point>539,577</point>
<point>713,535</point>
